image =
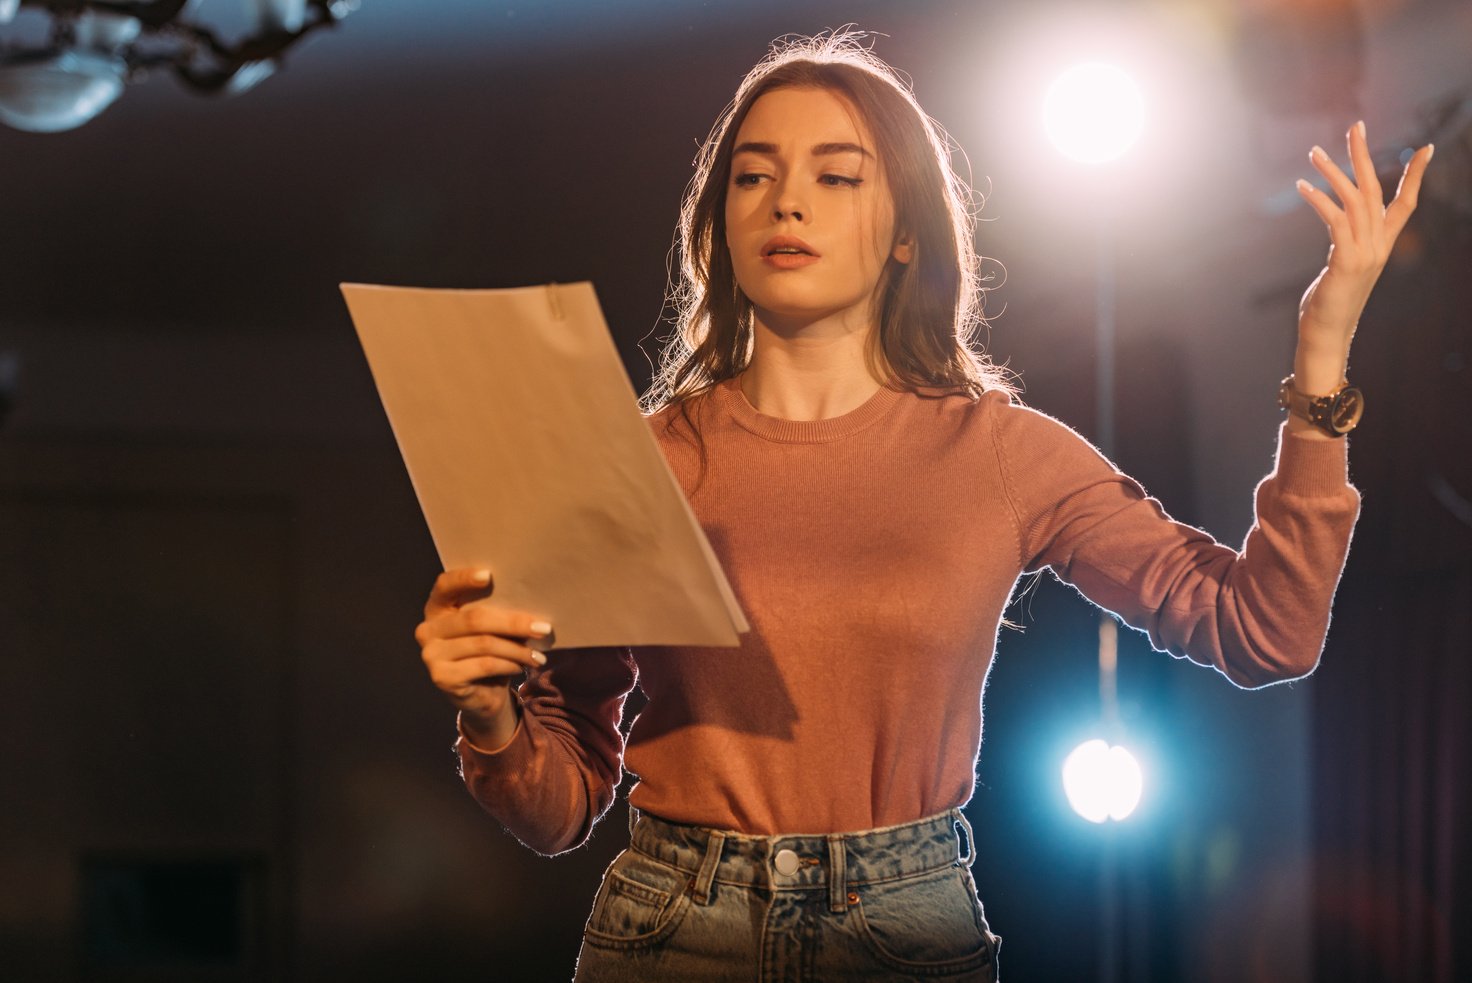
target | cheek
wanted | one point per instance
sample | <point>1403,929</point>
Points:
<point>733,226</point>
<point>875,231</point>
<point>743,222</point>
<point>740,210</point>
<point>736,256</point>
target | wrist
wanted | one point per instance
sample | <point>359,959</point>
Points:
<point>1332,414</point>
<point>1300,427</point>
<point>1320,367</point>
<point>491,733</point>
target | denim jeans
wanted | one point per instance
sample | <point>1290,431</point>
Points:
<point>693,904</point>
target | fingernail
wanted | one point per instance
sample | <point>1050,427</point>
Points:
<point>1317,152</point>
<point>540,628</point>
<point>1303,185</point>
<point>481,577</point>
<point>1430,151</point>
<point>1361,127</point>
<point>539,658</point>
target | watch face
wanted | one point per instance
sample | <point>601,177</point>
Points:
<point>1346,409</point>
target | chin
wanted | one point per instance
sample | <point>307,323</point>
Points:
<point>792,316</point>
<point>798,302</point>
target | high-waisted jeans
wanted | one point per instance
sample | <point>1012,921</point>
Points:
<point>693,904</point>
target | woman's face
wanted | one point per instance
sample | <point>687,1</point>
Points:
<point>809,216</point>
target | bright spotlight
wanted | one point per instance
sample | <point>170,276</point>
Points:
<point>1102,782</point>
<point>1093,112</point>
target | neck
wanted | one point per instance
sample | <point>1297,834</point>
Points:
<point>809,374</point>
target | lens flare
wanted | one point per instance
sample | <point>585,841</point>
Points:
<point>1102,782</point>
<point>1093,112</point>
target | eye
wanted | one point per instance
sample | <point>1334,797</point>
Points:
<point>748,180</point>
<point>840,181</point>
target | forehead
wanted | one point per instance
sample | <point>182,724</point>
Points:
<point>800,116</point>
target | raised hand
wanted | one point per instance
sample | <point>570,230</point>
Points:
<point>1362,232</point>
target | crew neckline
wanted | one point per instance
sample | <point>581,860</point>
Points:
<point>774,428</point>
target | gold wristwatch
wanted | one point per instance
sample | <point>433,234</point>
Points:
<point>1336,414</point>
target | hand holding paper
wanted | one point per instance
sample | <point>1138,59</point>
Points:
<point>527,450</point>
<point>473,653</point>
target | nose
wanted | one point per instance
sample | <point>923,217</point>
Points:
<point>789,204</point>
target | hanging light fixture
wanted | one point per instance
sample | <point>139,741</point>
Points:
<point>93,48</point>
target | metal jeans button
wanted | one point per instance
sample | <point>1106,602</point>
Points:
<point>785,862</point>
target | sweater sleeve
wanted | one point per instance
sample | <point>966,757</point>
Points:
<point>1259,615</point>
<point>556,777</point>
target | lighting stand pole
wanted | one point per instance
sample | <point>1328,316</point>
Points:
<point>1104,345</point>
<point>1093,113</point>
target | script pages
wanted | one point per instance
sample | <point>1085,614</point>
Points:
<point>525,445</point>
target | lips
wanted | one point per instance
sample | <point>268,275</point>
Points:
<point>788,246</point>
<point>788,253</point>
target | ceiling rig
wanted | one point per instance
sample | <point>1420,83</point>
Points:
<point>65,61</point>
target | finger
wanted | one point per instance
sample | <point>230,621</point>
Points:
<point>486,619</point>
<point>1352,202</point>
<point>1364,169</point>
<point>1407,192</point>
<point>473,647</point>
<point>1331,214</point>
<point>454,677</point>
<point>490,620</point>
<point>454,587</point>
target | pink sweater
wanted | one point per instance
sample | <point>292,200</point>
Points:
<point>874,554</point>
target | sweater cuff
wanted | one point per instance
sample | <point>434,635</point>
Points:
<point>1309,467</point>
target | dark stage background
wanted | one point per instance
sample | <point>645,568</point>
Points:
<point>219,756</point>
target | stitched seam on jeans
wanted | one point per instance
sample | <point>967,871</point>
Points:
<point>627,886</point>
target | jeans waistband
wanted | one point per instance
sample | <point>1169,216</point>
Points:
<point>835,861</point>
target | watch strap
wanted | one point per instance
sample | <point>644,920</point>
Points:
<point>1335,413</point>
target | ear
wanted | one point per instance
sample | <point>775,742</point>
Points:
<point>904,250</point>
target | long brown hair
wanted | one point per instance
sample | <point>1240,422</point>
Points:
<point>929,308</point>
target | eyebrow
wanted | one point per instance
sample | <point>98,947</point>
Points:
<point>818,150</point>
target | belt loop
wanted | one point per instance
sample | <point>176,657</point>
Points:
<point>960,825</point>
<point>633,821</point>
<point>706,876</point>
<point>837,875</point>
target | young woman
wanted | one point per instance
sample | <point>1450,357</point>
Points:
<point>873,491</point>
